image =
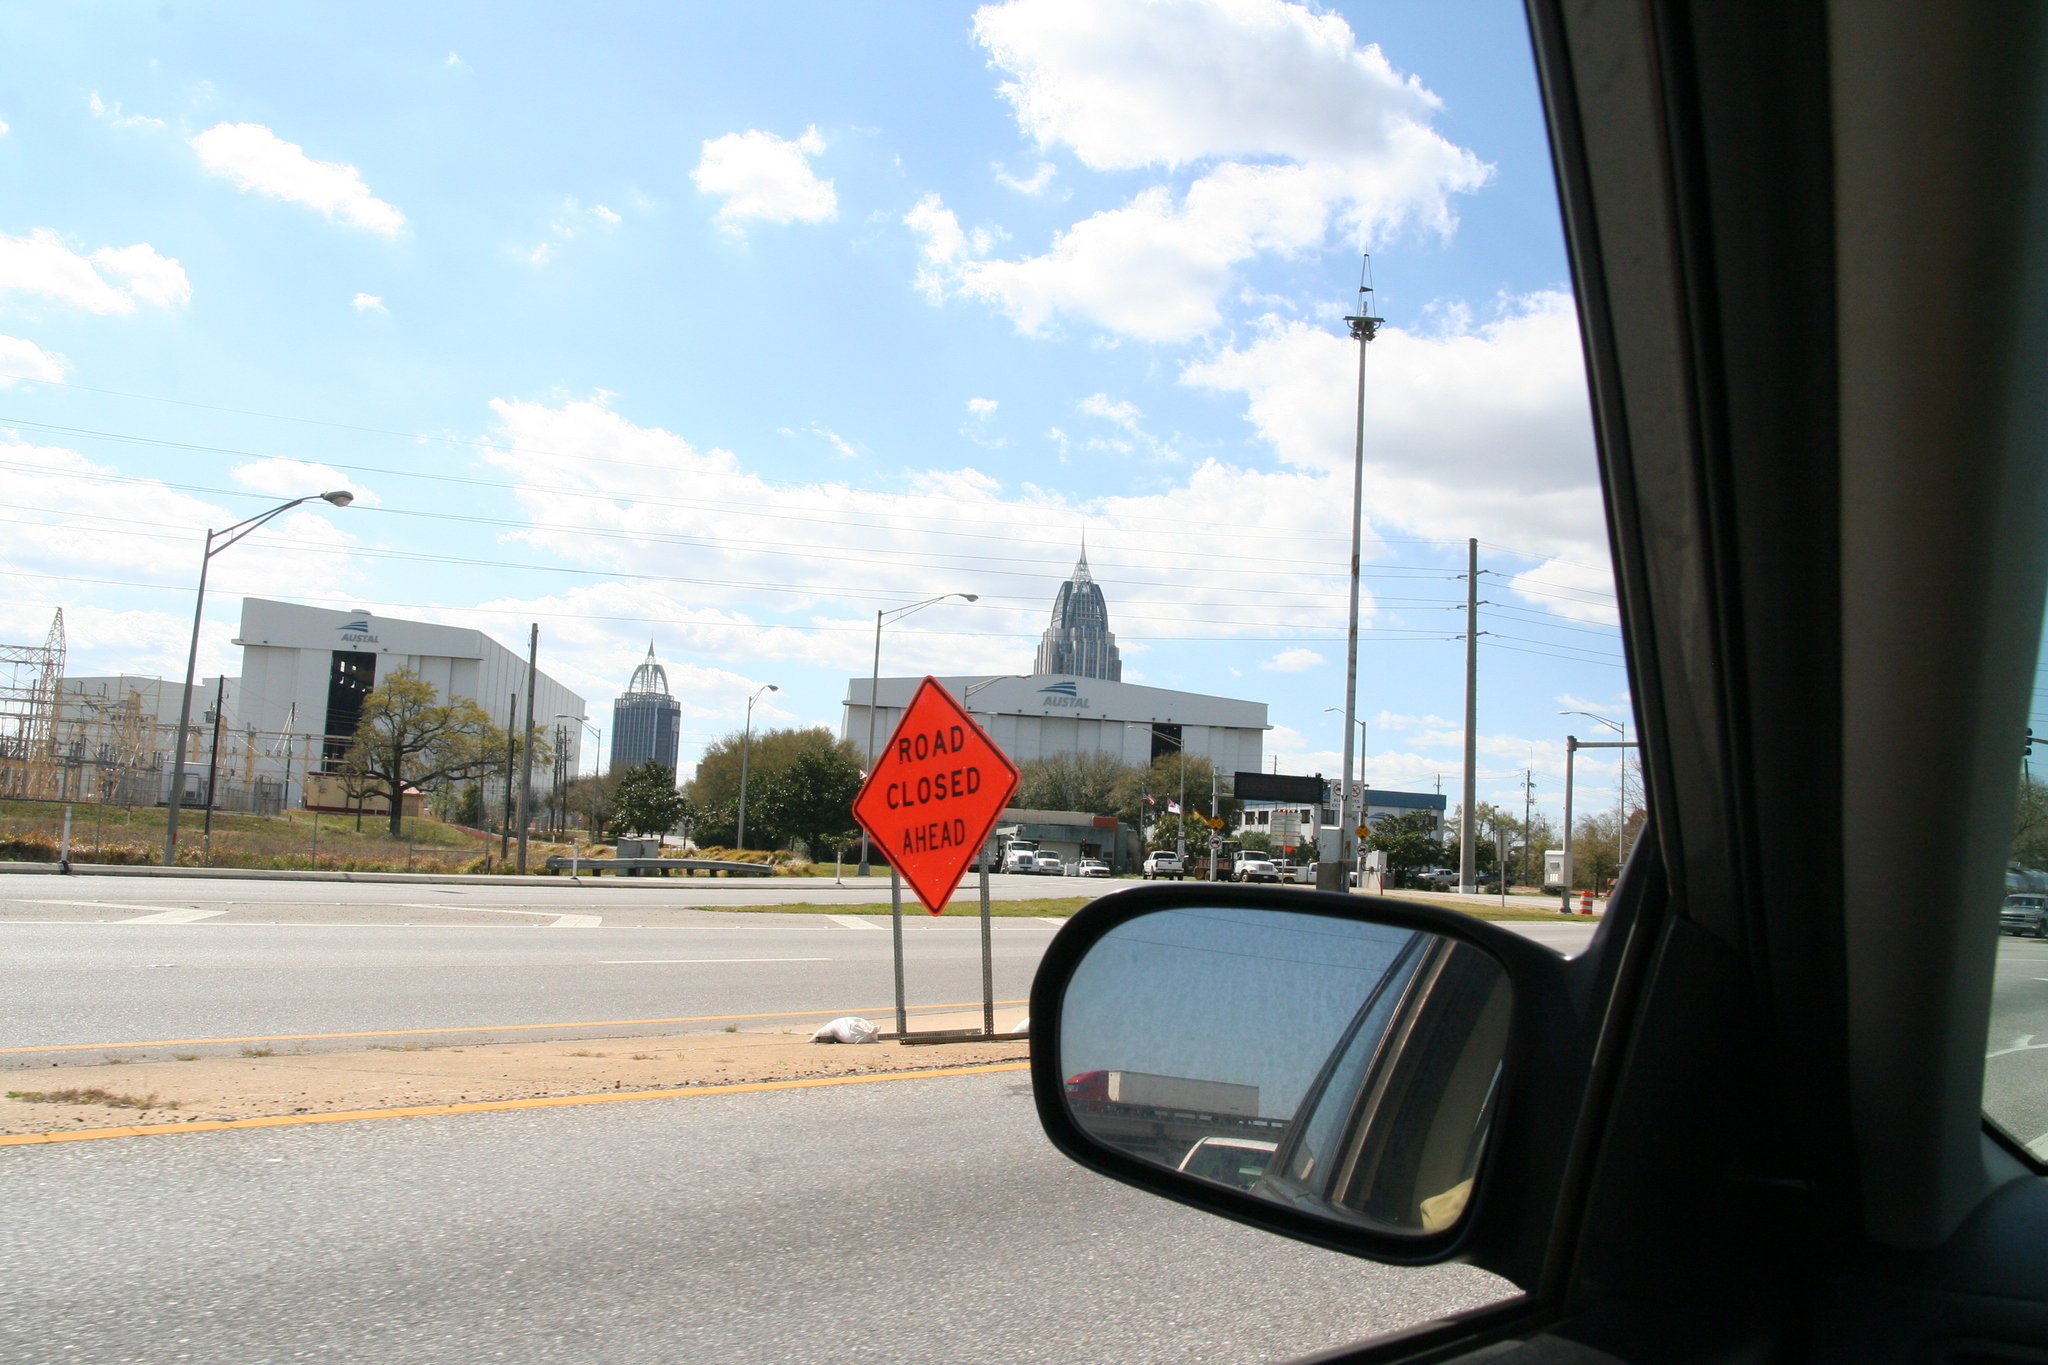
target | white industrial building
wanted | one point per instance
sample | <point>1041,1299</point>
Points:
<point>306,670</point>
<point>1052,713</point>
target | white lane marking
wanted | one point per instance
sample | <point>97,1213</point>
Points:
<point>2024,1043</point>
<point>96,905</point>
<point>174,917</point>
<point>577,921</point>
<point>854,921</point>
<point>1048,919</point>
<point>672,961</point>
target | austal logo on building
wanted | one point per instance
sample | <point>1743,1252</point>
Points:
<point>357,632</point>
<point>1064,694</point>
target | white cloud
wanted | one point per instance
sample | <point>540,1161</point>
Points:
<point>982,407</point>
<point>1132,83</point>
<point>454,62</point>
<point>86,524</point>
<point>255,158</point>
<point>283,478</point>
<point>1293,661</point>
<point>1480,426</point>
<point>110,280</point>
<point>1125,414</point>
<point>609,217</point>
<point>369,303</point>
<point>1034,185</point>
<point>112,113</point>
<point>4,128</point>
<point>20,360</point>
<point>766,178</point>
<point>1301,133</point>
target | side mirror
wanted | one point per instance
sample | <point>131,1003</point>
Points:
<point>1328,1066</point>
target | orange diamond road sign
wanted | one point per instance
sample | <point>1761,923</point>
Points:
<point>934,793</point>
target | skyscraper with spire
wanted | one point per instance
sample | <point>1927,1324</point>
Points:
<point>1078,642</point>
<point>646,721</point>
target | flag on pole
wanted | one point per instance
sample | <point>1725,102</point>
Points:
<point>1148,799</point>
<point>1173,807</point>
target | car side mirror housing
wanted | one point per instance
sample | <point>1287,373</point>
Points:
<point>1332,1067</point>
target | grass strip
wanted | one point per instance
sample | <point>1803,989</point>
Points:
<point>965,905</point>
<point>92,1095</point>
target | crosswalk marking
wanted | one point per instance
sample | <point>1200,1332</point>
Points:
<point>175,917</point>
<point>854,921</point>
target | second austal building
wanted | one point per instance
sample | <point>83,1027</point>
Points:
<point>1078,703</point>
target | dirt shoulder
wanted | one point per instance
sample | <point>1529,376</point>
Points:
<point>223,1088</point>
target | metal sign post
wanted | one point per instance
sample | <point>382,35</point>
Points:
<point>931,798</point>
<point>896,929</point>
<point>988,957</point>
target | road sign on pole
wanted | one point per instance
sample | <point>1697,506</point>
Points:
<point>934,793</point>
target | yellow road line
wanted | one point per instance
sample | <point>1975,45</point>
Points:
<point>492,1028</point>
<point>492,1106</point>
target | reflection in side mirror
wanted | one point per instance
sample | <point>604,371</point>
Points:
<point>1346,1070</point>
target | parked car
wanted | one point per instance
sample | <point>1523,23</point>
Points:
<point>1091,867</point>
<point>1434,879</point>
<point>1051,865</point>
<point>1163,865</point>
<point>1235,1161</point>
<point>1254,867</point>
<point>2024,914</point>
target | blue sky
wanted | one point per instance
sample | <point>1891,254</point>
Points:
<point>727,325</point>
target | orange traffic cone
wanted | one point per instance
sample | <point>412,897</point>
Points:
<point>1585,902</point>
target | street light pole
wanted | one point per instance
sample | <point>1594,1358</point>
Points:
<point>1343,817</point>
<point>1180,824</point>
<point>340,497</point>
<point>746,745</point>
<point>1620,790</point>
<point>1364,328</point>
<point>875,683</point>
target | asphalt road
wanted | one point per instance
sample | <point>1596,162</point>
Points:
<point>615,900</point>
<point>2016,1069</point>
<point>92,968</point>
<point>911,1221</point>
<point>124,986</point>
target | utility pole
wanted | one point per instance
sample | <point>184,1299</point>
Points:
<point>1364,327</point>
<point>1468,826</point>
<point>511,759</point>
<point>1528,812</point>
<point>526,744</point>
<point>220,705</point>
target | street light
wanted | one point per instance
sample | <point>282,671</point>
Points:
<point>746,744</point>
<point>1358,786</point>
<point>875,683</point>
<point>1620,791</point>
<point>575,769</point>
<point>1180,825</point>
<point>340,497</point>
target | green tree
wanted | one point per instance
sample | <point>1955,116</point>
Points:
<point>1410,842</point>
<point>590,798</point>
<point>646,800</point>
<point>716,783</point>
<point>809,800</point>
<point>1084,781</point>
<point>1256,841</point>
<point>1163,781</point>
<point>408,739</point>
<point>2030,826</point>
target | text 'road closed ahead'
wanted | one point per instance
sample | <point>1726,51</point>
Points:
<point>935,791</point>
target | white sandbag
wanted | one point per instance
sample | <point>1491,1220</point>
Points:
<point>849,1028</point>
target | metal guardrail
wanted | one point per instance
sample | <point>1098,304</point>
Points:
<point>656,867</point>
